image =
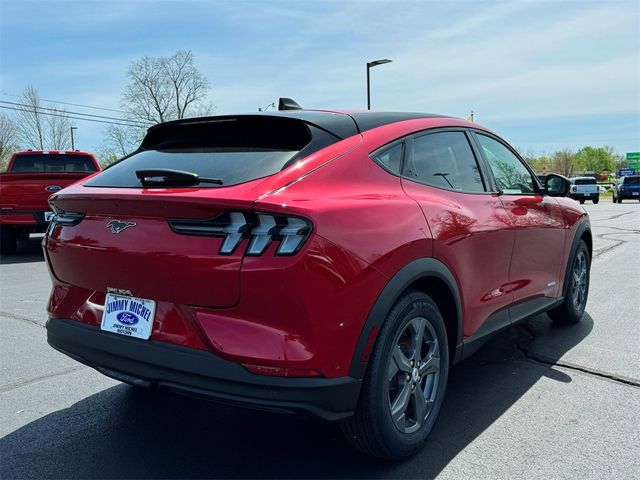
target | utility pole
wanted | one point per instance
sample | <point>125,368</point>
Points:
<point>73,145</point>
<point>369,65</point>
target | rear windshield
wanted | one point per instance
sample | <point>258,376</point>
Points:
<point>632,180</point>
<point>233,150</point>
<point>53,162</point>
<point>585,181</point>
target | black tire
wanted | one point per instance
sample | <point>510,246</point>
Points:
<point>581,201</point>
<point>372,429</point>
<point>8,241</point>
<point>571,311</point>
<point>596,200</point>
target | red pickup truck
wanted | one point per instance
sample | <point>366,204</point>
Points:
<point>31,177</point>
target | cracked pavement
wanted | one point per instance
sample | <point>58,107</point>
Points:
<point>538,401</point>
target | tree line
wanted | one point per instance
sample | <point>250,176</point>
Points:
<point>587,160</point>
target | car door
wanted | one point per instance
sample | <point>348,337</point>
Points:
<point>538,224</point>
<point>469,226</point>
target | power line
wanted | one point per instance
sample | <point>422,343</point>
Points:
<point>69,103</point>
<point>68,116</point>
<point>23,105</point>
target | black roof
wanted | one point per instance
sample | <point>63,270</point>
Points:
<point>339,124</point>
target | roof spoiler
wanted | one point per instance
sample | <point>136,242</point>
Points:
<point>288,104</point>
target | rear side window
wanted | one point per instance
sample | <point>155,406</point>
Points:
<point>53,162</point>
<point>390,158</point>
<point>232,149</point>
<point>444,160</point>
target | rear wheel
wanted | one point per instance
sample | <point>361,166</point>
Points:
<point>575,301</point>
<point>405,381</point>
<point>596,200</point>
<point>8,240</point>
<point>581,201</point>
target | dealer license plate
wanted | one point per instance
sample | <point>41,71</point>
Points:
<point>128,316</point>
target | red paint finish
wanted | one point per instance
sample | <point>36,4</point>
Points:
<point>473,236</point>
<point>305,312</point>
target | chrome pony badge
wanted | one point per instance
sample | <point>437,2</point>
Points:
<point>118,226</point>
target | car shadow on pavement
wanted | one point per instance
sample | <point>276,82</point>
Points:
<point>29,250</point>
<point>123,432</point>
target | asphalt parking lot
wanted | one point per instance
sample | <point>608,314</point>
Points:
<point>538,401</point>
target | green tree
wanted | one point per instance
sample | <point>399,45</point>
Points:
<point>597,159</point>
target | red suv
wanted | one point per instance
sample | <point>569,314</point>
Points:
<point>336,263</point>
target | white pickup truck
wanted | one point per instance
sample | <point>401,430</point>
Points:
<point>584,188</point>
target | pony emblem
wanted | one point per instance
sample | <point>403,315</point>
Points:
<point>118,226</point>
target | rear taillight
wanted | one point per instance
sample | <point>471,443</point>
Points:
<point>261,228</point>
<point>65,219</point>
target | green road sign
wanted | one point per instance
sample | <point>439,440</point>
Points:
<point>633,156</point>
<point>634,165</point>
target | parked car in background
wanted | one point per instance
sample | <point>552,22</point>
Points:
<point>626,188</point>
<point>321,261</point>
<point>31,177</point>
<point>584,188</point>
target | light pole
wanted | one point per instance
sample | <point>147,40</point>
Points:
<point>369,65</point>
<point>73,145</point>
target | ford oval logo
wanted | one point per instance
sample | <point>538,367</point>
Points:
<point>53,188</point>
<point>127,318</point>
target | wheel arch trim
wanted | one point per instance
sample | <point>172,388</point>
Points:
<point>584,227</point>
<point>418,269</point>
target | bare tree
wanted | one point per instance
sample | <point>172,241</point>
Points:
<point>8,140</point>
<point>564,162</point>
<point>58,130</point>
<point>42,128</point>
<point>31,123</point>
<point>165,88</point>
<point>118,142</point>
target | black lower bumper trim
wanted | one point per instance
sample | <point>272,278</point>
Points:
<point>195,372</point>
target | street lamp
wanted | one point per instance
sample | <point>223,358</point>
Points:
<point>73,145</point>
<point>369,65</point>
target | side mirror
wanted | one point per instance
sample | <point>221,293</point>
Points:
<point>557,185</point>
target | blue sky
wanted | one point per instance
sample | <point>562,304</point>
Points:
<point>544,75</point>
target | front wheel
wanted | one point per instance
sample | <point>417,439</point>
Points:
<point>405,383</point>
<point>581,201</point>
<point>575,301</point>
<point>596,200</point>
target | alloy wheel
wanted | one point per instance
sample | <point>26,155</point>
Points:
<point>414,374</point>
<point>580,276</point>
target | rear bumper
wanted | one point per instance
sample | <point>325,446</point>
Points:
<point>629,195</point>
<point>200,373</point>
<point>33,220</point>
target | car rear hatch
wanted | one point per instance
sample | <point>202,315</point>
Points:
<point>167,223</point>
